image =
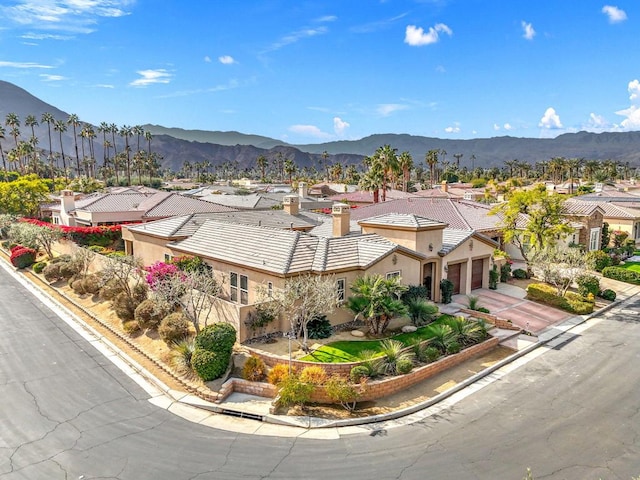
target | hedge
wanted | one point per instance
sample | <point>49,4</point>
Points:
<point>622,274</point>
<point>22,257</point>
<point>102,235</point>
<point>571,302</point>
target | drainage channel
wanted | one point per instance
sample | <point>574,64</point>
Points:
<point>236,413</point>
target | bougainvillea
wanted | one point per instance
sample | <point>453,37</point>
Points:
<point>22,257</point>
<point>101,235</point>
<point>160,272</point>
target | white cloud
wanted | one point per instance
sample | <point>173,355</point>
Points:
<point>326,19</point>
<point>615,14</point>
<point>294,37</point>
<point>45,36</point>
<point>550,119</point>
<point>104,85</point>
<point>207,59</point>
<point>597,121</point>
<point>508,126</point>
<point>417,37</point>
<point>72,16</point>
<point>226,59</point>
<point>23,65</point>
<point>386,109</point>
<point>453,129</point>
<point>308,130</point>
<point>52,78</point>
<point>496,127</point>
<point>149,77</point>
<point>528,30</point>
<point>632,114</point>
<point>339,126</point>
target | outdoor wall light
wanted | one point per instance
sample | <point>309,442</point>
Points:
<point>446,268</point>
<point>471,245</point>
<point>431,247</point>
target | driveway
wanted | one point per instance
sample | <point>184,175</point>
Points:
<point>508,302</point>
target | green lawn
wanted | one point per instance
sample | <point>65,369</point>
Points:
<point>633,266</point>
<point>349,350</point>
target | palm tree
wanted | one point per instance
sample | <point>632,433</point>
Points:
<point>60,127</point>
<point>4,161</point>
<point>431,159</point>
<point>49,119</point>
<point>590,169</point>
<point>377,299</point>
<point>262,164</point>
<point>405,162</point>
<point>126,132</point>
<point>32,122</point>
<point>458,156</point>
<point>289,169</point>
<point>74,121</point>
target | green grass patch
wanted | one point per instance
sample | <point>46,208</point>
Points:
<point>346,351</point>
<point>633,266</point>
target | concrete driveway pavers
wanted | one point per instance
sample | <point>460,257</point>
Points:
<point>511,305</point>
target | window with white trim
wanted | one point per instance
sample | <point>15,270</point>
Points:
<point>239,288</point>
<point>393,274</point>
<point>594,239</point>
<point>270,289</point>
<point>340,288</point>
<point>244,290</point>
<point>233,286</point>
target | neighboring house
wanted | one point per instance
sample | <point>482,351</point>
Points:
<point>362,198</point>
<point>620,216</point>
<point>116,208</point>
<point>586,219</point>
<point>149,241</point>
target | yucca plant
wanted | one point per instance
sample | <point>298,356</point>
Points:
<point>474,302</point>
<point>442,337</point>
<point>467,332</point>
<point>181,353</point>
<point>421,311</point>
<point>372,361</point>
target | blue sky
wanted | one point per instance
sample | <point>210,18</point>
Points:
<point>314,71</point>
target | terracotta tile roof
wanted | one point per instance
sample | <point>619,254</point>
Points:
<point>580,209</point>
<point>367,197</point>
<point>409,220</point>
<point>611,210</point>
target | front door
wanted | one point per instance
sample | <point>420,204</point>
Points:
<point>454,276</point>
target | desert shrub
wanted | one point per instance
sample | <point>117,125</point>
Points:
<point>219,337</point>
<point>130,327</point>
<point>38,267</point>
<point>61,258</point>
<point>520,274</point>
<point>421,311</point>
<point>393,354</point>
<point>599,259</point>
<point>278,373</point>
<point>68,269</point>
<point>453,347</point>
<point>483,310</point>
<point>181,353</point>
<point>608,294</point>
<point>578,304</point>
<point>319,327</point>
<point>505,272</point>
<point>424,352</point>
<point>294,391</point>
<point>92,283</point>
<point>124,306</point>
<point>97,248</point>
<point>263,315</point>
<point>190,264</point>
<point>254,369</point>
<point>622,274</point>
<point>110,290</point>
<point>446,286</point>
<point>148,314</point>
<point>51,272</point>
<point>340,390</point>
<point>140,292</point>
<point>173,328</point>
<point>358,373</point>
<point>77,284</point>
<point>22,257</point>
<point>494,276</point>
<point>431,354</point>
<point>209,365</point>
<point>571,302</point>
<point>588,284</point>
<point>372,362</point>
<point>313,374</point>
<point>414,291</point>
<point>404,366</point>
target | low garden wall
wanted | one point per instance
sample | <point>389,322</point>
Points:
<point>374,390</point>
<point>495,321</point>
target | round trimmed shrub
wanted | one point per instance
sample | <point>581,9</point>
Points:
<point>148,314</point>
<point>209,365</point>
<point>608,294</point>
<point>278,373</point>
<point>254,369</point>
<point>51,272</point>
<point>314,374</point>
<point>173,328</point>
<point>77,285</point>
<point>22,257</point>
<point>431,354</point>
<point>109,290</point>
<point>124,306</point>
<point>140,292</point>
<point>219,337</point>
<point>92,283</point>
<point>61,258</point>
<point>599,259</point>
<point>319,327</point>
<point>404,366</point>
<point>588,284</point>
<point>130,327</point>
<point>38,267</point>
<point>358,373</point>
<point>520,274</point>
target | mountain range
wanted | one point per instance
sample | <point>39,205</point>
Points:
<point>177,145</point>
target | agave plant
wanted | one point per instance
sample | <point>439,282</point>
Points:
<point>442,337</point>
<point>181,353</point>
<point>372,361</point>
<point>467,332</point>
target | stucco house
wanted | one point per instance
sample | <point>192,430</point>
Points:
<point>129,207</point>
<point>621,215</point>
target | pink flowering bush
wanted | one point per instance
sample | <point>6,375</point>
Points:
<point>160,272</point>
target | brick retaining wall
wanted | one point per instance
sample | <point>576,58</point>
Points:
<point>496,321</point>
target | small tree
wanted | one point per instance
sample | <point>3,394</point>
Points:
<point>377,299</point>
<point>35,237</point>
<point>303,299</point>
<point>560,266</point>
<point>123,271</point>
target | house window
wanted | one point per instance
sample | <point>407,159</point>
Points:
<point>270,289</point>
<point>244,290</point>
<point>594,239</point>
<point>233,282</point>
<point>340,286</point>
<point>167,257</point>
<point>393,274</point>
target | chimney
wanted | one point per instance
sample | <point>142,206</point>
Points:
<point>341,214</point>
<point>291,204</point>
<point>302,189</point>
<point>445,186</point>
<point>67,203</point>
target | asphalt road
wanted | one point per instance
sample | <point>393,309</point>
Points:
<point>67,413</point>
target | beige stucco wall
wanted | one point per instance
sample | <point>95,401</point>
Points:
<point>465,255</point>
<point>625,225</point>
<point>149,249</point>
<point>414,240</point>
